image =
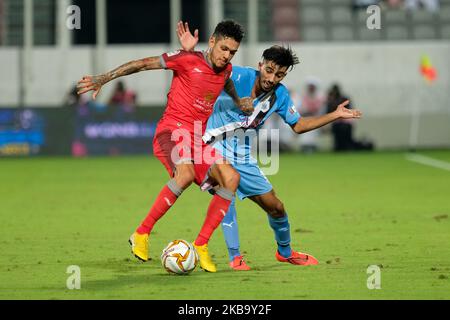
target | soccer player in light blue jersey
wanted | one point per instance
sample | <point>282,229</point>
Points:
<point>228,130</point>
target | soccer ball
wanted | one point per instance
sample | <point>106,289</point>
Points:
<point>179,257</point>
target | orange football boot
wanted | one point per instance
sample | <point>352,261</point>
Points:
<point>238,263</point>
<point>298,258</point>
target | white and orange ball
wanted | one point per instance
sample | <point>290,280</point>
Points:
<point>179,257</point>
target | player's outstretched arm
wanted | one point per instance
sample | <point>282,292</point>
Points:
<point>95,83</point>
<point>245,104</point>
<point>185,37</point>
<point>306,124</point>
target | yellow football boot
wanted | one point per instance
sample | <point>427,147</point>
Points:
<point>205,260</point>
<point>139,246</point>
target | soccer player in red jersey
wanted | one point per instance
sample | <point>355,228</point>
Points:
<point>198,79</point>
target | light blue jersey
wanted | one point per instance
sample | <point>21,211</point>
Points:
<point>230,131</point>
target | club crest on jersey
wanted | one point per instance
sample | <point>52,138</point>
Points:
<point>209,97</point>
<point>265,106</point>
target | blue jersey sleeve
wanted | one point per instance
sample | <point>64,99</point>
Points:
<point>243,78</point>
<point>287,109</point>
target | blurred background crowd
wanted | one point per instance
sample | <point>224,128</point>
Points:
<point>390,60</point>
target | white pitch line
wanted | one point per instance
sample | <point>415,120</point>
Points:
<point>428,161</point>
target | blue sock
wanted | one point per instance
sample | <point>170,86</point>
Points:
<point>231,232</point>
<point>280,227</point>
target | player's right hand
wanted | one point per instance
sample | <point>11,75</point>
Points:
<point>89,83</point>
<point>246,105</point>
<point>187,40</point>
<point>345,113</point>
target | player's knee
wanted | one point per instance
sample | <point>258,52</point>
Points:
<point>277,210</point>
<point>185,178</point>
<point>184,182</point>
<point>232,180</point>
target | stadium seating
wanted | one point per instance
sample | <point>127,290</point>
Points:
<point>279,20</point>
<point>397,32</point>
<point>336,20</point>
<point>43,22</point>
<point>315,33</point>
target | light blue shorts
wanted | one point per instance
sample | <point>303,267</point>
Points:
<point>253,181</point>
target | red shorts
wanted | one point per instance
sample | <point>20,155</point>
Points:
<point>176,143</point>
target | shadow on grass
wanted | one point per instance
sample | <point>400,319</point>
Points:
<point>151,277</point>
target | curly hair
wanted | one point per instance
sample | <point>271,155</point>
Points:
<point>282,56</point>
<point>229,29</point>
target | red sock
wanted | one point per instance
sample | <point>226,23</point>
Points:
<point>218,208</point>
<point>165,200</point>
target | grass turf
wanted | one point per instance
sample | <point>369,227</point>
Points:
<point>348,210</point>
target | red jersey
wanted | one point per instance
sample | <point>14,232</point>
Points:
<point>195,86</point>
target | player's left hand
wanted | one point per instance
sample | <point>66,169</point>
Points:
<point>345,113</point>
<point>246,105</point>
<point>187,40</point>
<point>90,83</point>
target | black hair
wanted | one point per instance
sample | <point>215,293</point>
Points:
<point>229,29</point>
<point>282,56</point>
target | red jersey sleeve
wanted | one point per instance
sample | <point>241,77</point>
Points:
<point>176,60</point>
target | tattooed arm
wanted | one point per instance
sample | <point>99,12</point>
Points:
<point>95,83</point>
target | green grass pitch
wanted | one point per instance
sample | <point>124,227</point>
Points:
<point>349,210</point>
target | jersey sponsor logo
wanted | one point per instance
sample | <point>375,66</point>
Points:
<point>207,103</point>
<point>198,70</point>
<point>203,105</point>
